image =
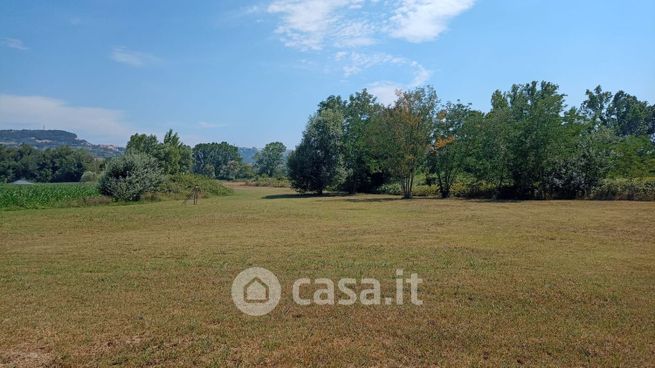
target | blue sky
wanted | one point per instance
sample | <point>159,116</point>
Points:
<point>252,72</point>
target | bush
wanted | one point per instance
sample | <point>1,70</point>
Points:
<point>625,189</point>
<point>128,177</point>
<point>390,188</point>
<point>89,177</point>
<point>418,190</point>
<point>181,186</point>
<point>265,181</point>
<point>473,190</point>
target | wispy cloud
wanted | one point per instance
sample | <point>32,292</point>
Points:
<point>310,24</point>
<point>386,90</point>
<point>425,20</point>
<point>133,58</point>
<point>13,43</point>
<point>206,125</point>
<point>351,29</point>
<point>317,24</point>
<point>32,112</point>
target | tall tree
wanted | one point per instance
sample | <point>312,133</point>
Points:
<point>594,108</point>
<point>175,155</point>
<point>270,160</point>
<point>314,165</point>
<point>217,160</point>
<point>172,155</point>
<point>400,136</point>
<point>630,116</point>
<point>535,110</point>
<point>451,145</point>
<point>360,110</point>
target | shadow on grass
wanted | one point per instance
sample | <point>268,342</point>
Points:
<point>385,198</point>
<point>304,195</point>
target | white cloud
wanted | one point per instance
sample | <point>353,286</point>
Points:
<point>13,43</point>
<point>342,26</point>
<point>356,62</point>
<point>316,24</point>
<point>206,125</point>
<point>133,58</point>
<point>424,20</point>
<point>309,24</point>
<point>386,91</point>
<point>95,124</point>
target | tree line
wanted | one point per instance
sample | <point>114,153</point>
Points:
<point>52,165</point>
<point>529,145</point>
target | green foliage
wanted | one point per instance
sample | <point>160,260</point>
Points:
<point>60,164</point>
<point>265,181</point>
<point>172,156</point>
<point>360,173</point>
<point>180,186</point>
<point>633,157</point>
<point>400,136</point>
<point>641,189</point>
<point>46,195</point>
<point>315,164</point>
<point>217,160</point>
<point>270,160</point>
<point>128,177</point>
<point>451,145</point>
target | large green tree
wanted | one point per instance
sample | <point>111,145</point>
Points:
<point>315,163</point>
<point>217,160</point>
<point>172,156</point>
<point>400,136</point>
<point>360,110</point>
<point>451,144</point>
<point>270,160</point>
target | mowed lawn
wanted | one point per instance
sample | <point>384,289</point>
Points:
<point>537,283</point>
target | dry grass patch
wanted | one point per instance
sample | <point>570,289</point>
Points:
<point>506,283</point>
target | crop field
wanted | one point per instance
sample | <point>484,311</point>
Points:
<point>46,195</point>
<point>535,283</point>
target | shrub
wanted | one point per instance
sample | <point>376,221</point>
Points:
<point>625,189</point>
<point>473,189</point>
<point>426,191</point>
<point>128,177</point>
<point>89,177</point>
<point>390,188</point>
<point>418,190</point>
<point>181,186</point>
<point>265,181</point>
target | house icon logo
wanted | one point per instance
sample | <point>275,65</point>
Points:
<point>256,291</point>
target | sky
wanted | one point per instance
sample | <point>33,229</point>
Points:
<point>252,72</point>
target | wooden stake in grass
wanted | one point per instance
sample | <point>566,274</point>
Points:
<point>196,193</point>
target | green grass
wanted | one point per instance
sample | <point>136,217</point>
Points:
<point>539,283</point>
<point>46,195</point>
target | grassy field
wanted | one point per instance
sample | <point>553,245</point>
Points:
<point>557,283</point>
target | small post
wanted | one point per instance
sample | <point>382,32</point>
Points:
<point>196,192</point>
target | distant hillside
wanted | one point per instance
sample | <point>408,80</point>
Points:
<point>42,139</point>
